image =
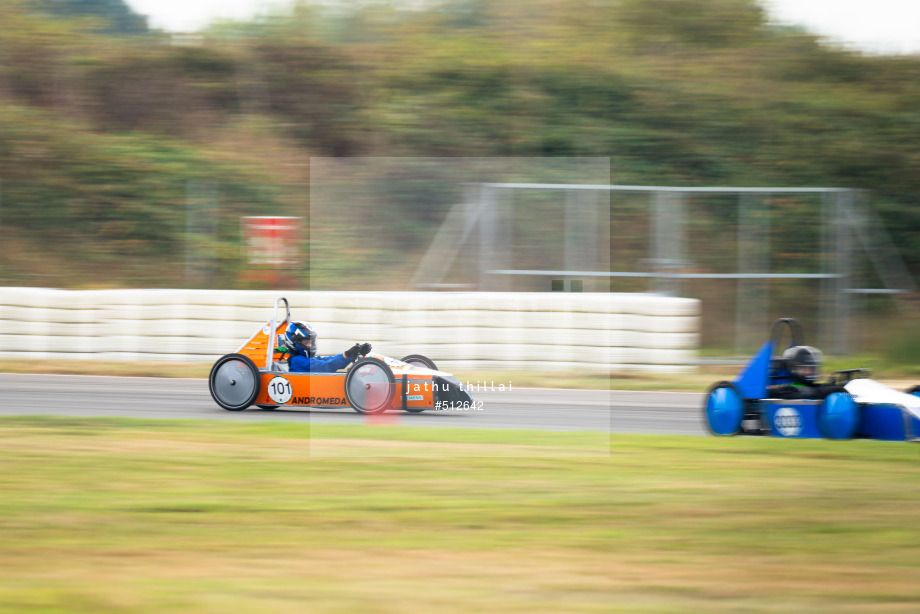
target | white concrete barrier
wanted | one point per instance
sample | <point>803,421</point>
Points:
<point>472,330</point>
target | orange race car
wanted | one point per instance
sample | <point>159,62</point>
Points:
<point>257,374</point>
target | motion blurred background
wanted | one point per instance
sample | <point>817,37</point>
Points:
<point>355,145</point>
<point>129,155</point>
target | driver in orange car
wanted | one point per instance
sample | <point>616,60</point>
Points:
<point>300,342</point>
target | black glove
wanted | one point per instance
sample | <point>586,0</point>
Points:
<point>353,351</point>
<point>365,349</point>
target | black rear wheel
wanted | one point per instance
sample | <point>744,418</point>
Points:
<point>234,382</point>
<point>723,409</point>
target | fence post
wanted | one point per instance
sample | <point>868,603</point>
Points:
<point>667,240</point>
<point>844,248</point>
<point>201,225</point>
<point>752,306</point>
<point>581,232</point>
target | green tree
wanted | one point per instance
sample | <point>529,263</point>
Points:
<point>119,18</point>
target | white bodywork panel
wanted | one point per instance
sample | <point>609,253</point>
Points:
<point>870,391</point>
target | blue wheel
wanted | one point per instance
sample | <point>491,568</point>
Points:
<point>838,416</point>
<point>724,409</point>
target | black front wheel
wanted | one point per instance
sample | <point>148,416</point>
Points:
<point>370,386</point>
<point>420,361</point>
<point>234,382</point>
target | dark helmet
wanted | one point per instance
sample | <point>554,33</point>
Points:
<point>303,337</point>
<point>803,362</point>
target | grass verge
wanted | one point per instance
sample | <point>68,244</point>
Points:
<point>139,516</point>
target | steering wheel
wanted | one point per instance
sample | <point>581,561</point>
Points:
<point>841,377</point>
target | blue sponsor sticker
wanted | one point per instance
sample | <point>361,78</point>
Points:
<point>788,422</point>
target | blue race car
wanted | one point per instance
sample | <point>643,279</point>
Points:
<point>779,395</point>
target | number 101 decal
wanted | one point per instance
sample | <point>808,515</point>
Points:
<point>279,390</point>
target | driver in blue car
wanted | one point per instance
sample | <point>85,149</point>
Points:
<point>300,343</point>
<point>803,363</point>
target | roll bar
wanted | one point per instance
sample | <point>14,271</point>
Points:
<point>795,332</point>
<point>274,328</point>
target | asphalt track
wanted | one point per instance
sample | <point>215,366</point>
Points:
<point>525,408</point>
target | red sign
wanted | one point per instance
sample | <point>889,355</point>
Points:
<point>273,241</point>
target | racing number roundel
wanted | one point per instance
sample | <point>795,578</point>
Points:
<point>788,422</point>
<point>279,390</point>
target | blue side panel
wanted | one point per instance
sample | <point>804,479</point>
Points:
<point>882,422</point>
<point>794,419</point>
<point>753,380</point>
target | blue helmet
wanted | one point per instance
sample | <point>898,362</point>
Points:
<point>303,337</point>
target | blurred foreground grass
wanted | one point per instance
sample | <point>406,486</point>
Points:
<point>102,515</point>
<point>898,375</point>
